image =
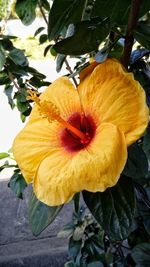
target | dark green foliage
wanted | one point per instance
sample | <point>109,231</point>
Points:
<point>86,38</point>
<point>40,215</point>
<point>17,183</point>
<point>117,10</point>
<point>113,209</point>
<point>142,34</point>
<point>64,12</point>
<point>137,163</point>
<point>141,255</point>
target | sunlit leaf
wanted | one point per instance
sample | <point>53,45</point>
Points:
<point>4,155</point>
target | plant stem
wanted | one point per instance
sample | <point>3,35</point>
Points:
<point>42,12</point>
<point>13,81</point>
<point>129,38</point>
<point>70,70</point>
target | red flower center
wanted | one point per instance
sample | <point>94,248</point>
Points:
<point>85,125</point>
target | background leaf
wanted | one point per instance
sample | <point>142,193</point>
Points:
<point>114,208</point>
<point>142,34</point>
<point>41,215</point>
<point>25,10</point>
<point>141,255</point>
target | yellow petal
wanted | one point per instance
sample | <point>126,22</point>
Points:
<point>63,95</point>
<point>36,141</point>
<point>114,96</point>
<point>95,168</point>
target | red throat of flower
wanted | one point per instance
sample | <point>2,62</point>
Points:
<point>78,129</point>
<point>85,124</point>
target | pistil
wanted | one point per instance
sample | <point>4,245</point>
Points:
<point>48,109</point>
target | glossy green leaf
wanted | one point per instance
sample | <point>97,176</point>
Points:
<point>117,10</point>
<point>142,34</point>
<point>4,155</point>
<point>86,38</point>
<point>114,208</point>
<point>18,57</point>
<point>137,164</point>
<point>25,10</point>
<point>17,184</point>
<point>141,255</point>
<point>41,215</point>
<point>62,13</point>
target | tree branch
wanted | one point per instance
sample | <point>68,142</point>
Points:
<point>129,38</point>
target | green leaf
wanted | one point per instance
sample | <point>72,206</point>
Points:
<point>87,37</point>
<point>146,142</point>
<point>117,10</point>
<point>141,255</point>
<point>74,247</point>
<point>8,92</point>
<point>4,155</point>
<point>59,62</point>
<point>95,264</point>
<point>62,13</point>
<point>39,30</point>
<point>2,58</point>
<point>4,79</point>
<point>41,215</point>
<point>43,38</point>
<point>114,208</point>
<point>17,184</point>
<point>18,57</point>
<point>25,10</point>
<point>142,34</point>
<point>137,164</point>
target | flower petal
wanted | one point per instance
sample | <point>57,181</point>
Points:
<point>63,94</point>
<point>36,141</point>
<point>114,96</point>
<point>62,174</point>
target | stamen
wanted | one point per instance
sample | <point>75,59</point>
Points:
<point>51,111</point>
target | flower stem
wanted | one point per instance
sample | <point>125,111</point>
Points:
<point>129,38</point>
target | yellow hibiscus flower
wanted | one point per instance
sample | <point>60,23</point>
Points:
<point>76,139</point>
